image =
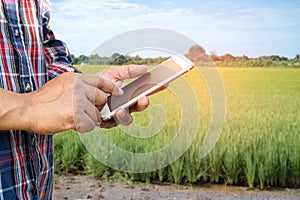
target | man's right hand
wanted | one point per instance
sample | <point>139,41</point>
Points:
<point>70,101</point>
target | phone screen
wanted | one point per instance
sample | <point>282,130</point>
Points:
<point>167,70</point>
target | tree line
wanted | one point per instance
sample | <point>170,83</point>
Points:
<point>115,59</point>
<point>196,54</point>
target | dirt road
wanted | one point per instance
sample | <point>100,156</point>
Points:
<point>84,187</point>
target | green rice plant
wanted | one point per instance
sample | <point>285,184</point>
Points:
<point>231,167</point>
<point>161,173</point>
<point>259,145</point>
<point>250,160</point>
<point>214,162</point>
<point>267,163</point>
<point>194,168</point>
<point>294,160</point>
<point>177,170</point>
<point>250,168</point>
<point>282,161</point>
<point>93,166</point>
<point>69,152</point>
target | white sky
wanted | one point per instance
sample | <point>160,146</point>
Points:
<point>253,28</point>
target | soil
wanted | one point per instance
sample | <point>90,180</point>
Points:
<point>68,186</point>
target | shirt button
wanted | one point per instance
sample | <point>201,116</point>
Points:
<point>17,33</point>
<point>27,87</point>
<point>32,141</point>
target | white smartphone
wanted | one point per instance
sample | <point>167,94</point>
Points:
<point>159,76</point>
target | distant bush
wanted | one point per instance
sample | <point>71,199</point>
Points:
<point>196,54</point>
<point>115,59</point>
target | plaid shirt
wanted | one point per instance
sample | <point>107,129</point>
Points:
<point>29,56</point>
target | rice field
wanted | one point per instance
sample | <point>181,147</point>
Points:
<point>259,146</point>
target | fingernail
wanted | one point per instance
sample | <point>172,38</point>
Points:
<point>122,113</point>
<point>118,91</point>
<point>121,92</point>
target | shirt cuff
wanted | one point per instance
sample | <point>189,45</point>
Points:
<point>56,70</point>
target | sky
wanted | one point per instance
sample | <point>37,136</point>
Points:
<point>253,28</point>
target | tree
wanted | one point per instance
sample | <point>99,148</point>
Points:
<point>74,59</point>
<point>273,58</point>
<point>214,56</point>
<point>94,59</point>
<point>83,59</point>
<point>297,58</point>
<point>118,59</point>
<point>242,58</point>
<point>197,54</point>
<point>228,57</point>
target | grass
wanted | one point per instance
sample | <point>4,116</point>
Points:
<point>259,146</point>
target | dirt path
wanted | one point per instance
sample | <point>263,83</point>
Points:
<point>83,187</point>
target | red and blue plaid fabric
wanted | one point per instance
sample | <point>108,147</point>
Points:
<point>29,57</point>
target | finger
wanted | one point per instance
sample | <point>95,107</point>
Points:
<point>108,124</point>
<point>85,123</point>
<point>126,72</point>
<point>140,105</point>
<point>93,113</point>
<point>88,108</point>
<point>103,84</point>
<point>96,96</point>
<point>122,117</point>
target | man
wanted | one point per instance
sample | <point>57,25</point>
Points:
<point>41,94</point>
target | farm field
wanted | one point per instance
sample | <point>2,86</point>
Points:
<point>259,145</point>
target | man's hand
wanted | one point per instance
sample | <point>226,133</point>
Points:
<point>70,101</point>
<point>117,75</point>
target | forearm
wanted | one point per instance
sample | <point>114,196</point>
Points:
<point>13,111</point>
